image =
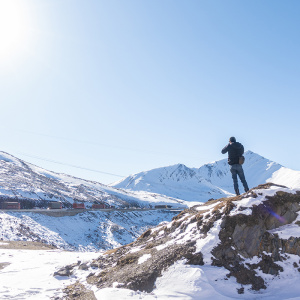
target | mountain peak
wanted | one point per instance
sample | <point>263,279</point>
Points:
<point>212,180</point>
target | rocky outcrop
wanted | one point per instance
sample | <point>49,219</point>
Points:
<point>245,236</point>
<point>229,232</point>
<point>67,270</point>
<point>77,291</point>
<point>139,270</point>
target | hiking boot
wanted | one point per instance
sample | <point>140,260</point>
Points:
<point>237,192</point>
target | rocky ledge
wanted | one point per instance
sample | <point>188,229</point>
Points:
<point>246,234</point>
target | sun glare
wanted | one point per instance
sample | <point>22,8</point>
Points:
<point>14,29</point>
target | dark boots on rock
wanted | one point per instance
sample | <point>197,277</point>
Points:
<point>237,191</point>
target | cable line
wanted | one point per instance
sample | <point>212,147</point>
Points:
<point>73,166</point>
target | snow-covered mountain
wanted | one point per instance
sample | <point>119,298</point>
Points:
<point>179,181</point>
<point>212,180</point>
<point>35,186</point>
<point>174,185</point>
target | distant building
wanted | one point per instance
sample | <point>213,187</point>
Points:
<point>163,206</point>
<point>10,205</point>
<point>99,206</point>
<point>78,205</point>
<point>55,205</point>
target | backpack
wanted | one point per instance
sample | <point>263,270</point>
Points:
<point>241,159</point>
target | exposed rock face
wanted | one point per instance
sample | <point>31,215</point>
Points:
<point>79,292</point>
<point>245,236</point>
<point>67,270</point>
<point>128,269</point>
<point>4,265</point>
<point>236,233</point>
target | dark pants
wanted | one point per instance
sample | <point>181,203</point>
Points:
<point>235,171</point>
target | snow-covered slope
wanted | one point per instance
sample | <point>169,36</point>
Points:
<point>34,186</point>
<point>258,170</point>
<point>177,181</point>
<point>212,180</point>
<point>87,231</point>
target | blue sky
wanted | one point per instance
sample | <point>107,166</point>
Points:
<point>126,86</point>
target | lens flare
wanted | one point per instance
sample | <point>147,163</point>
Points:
<point>279,218</point>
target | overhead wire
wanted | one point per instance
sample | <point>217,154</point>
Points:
<point>69,165</point>
<point>85,142</point>
<point>94,143</point>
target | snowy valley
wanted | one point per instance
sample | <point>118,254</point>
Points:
<point>85,231</point>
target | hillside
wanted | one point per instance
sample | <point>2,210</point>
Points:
<point>210,180</point>
<point>177,181</point>
<point>35,187</point>
<point>87,231</point>
<point>240,247</point>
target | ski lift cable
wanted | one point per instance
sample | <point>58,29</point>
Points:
<point>69,165</point>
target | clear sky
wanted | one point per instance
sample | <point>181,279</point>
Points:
<point>126,86</point>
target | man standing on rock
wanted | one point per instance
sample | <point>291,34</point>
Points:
<point>235,151</point>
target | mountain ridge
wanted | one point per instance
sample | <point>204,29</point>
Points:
<point>34,186</point>
<point>176,185</point>
<point>212,180</point>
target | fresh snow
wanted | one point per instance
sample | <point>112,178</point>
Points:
<point>29,275</point>
<point>249,202</point>
<point>144,258</point>
<point>289,230</point>
<point>176,181</point>
<point>287,177</point>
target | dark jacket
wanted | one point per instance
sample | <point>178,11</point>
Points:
<point>235,150</point>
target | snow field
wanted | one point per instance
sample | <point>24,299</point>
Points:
<point>29,274</point>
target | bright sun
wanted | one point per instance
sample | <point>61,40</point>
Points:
<point>14,29</point>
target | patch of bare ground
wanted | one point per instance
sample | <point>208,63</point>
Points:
<point>25,245</point>
<point>77,291</point>
<point>3,265</point>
